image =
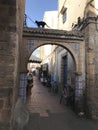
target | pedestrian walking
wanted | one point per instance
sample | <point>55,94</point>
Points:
<point>29,83</point>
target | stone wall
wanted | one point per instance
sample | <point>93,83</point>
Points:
<point>91,42</point>
<point>10,36</point>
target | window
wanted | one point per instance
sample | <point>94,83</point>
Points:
<point>64,14</point>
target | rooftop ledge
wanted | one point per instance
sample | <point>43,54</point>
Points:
<point>52,33</point>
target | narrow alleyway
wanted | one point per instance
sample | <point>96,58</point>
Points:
<point>46,113</point>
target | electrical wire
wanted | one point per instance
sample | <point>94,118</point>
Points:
<point>30,19</point>
<point>27,17</point>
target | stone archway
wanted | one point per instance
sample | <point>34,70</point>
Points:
<point>34,38</point>
<point>73,41</point>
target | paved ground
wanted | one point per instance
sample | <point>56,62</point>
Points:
<point>46,113</point>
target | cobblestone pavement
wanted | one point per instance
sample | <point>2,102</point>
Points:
<point>46,113</point>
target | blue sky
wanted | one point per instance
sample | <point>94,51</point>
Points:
<point>35,9</point>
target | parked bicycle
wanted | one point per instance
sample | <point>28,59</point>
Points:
<point>67,95</point>
<point>63,95</point>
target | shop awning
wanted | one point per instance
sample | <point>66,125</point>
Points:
<point>34,59</point>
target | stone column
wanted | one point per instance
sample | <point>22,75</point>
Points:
<point>80,81</point>
<point>80,94</point>
<point>91,41</point>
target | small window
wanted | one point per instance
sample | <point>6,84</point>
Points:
<point>64,17</point>
<point>64,14</point>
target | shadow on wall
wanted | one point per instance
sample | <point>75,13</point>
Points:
<point>20,116</point>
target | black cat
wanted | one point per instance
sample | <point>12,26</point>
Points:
<point>41,24</point>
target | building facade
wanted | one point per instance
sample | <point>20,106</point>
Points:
<point>51,18</point>
<point>85,20</point>
<point>68,14</point>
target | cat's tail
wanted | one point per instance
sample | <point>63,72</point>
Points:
<point>48,26</point>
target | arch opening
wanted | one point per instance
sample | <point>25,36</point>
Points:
<point>60,63</point>
<point>65,46</point>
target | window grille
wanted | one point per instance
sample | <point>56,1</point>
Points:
<point>22,87</point>
<point>30,44</point>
